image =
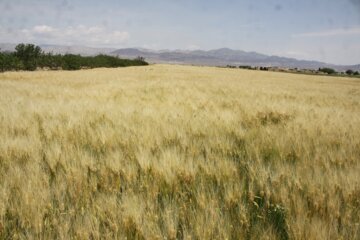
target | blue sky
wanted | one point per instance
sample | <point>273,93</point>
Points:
<point>325,30</point>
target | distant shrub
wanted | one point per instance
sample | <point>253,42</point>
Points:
<point>71,62</point>
<point>349,72</point>
<point>140,58</point>
<point>245,67</point>
<point>230,66</point>
<point>327,70</point>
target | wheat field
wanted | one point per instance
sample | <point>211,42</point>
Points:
<point>178,152</point>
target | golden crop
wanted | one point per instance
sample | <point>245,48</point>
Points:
<point>178,152</point>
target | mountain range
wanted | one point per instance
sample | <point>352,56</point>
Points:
<point>217,57</point>
<point>225,56</point>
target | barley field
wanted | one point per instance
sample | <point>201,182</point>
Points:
<point>178,152</point>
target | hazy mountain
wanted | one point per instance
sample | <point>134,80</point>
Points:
<point>7,47</point>
<point>225,56</point>
<point>59,49</point>
<point>82,50</point>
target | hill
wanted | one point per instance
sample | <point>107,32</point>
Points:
<point>226,56</point>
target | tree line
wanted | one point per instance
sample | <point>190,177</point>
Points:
<point>325,70</point>
<point>29,57</point>
<point>333,72</point>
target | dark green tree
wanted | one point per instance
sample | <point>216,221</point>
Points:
<point>327,70</point>
<point>140,58</point>
<point>2,62</point>
<point>71,62</point>
<point>349,72</point>
<point>29,55</point>
<point>9,62</point>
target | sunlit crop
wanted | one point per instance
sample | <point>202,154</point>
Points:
<point>178,152</point>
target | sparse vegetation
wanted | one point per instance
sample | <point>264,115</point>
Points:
<point>178,152</point>
<point>320,71</point>
<point>351,72</point>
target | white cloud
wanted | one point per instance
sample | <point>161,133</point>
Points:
<point>192,47</point>
<point>330,33</point>
<point>43,29</point>
<point>80,34</point>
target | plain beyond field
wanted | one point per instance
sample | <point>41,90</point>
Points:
<point>178,152</point>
